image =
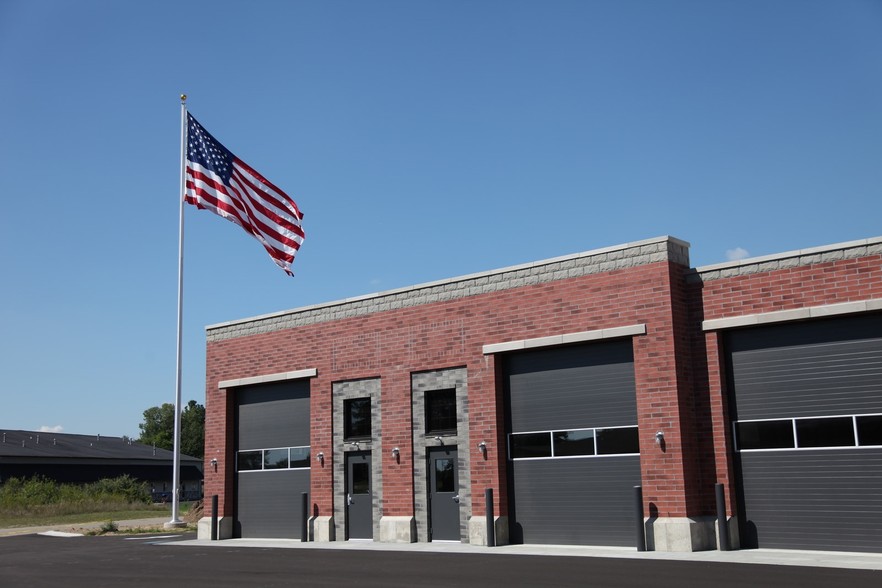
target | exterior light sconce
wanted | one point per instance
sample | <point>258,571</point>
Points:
<point>439,440</point>
<point>482,449</point>
<point>213,463</point>
<point>396,454</point>
<point>320,457</point>
<point>353,445</point>
<point>659,438</point>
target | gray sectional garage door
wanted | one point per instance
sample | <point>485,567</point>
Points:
<point>573,454</point>
<point>806,403</point>
<point>272,458</point>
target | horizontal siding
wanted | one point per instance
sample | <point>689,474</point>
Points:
<point>273,415</point>
<point>817,368</point>
<point>575,501</point>
<point>830,499</point>
<point>572,387</point>
<point>270,503</point>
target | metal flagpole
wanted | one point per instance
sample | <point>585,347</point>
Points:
<point>176,477</point>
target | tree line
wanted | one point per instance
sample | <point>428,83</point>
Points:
<point>158,428</point>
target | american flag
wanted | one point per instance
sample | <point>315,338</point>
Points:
<point>220,182</point>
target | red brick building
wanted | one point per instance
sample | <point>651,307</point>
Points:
<point>561,385</point>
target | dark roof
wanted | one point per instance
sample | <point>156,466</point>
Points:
<point>37,445</point>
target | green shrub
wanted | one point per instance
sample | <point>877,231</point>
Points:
<point>124,487</point>
<point>39,494</point>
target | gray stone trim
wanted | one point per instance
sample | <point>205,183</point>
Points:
<point>342,391</point>
<point>295,375</point>
<point>420,384</point>
<point>627,331</point>
<point>794,314</point>
<point>618,257</point>
<point>787,260</point>
<point>681,534</point>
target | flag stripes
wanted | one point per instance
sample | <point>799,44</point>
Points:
<point>220,182</point>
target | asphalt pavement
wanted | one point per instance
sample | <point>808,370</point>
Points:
<point>38,561</point>
<point>61,556</point>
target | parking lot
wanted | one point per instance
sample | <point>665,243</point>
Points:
<point>144,560</point>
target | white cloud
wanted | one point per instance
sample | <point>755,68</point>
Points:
<point>48,429</point>
<point>737,253</point>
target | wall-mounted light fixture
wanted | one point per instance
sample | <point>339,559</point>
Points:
<point>439,439</point>
<point>213,463</point>
<point>320,457</point>
<point>396,454</point>
<point>353,444</point>
<point>659,438</point>
<point>482,448</point>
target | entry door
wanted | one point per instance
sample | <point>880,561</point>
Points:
<point>443,494</point>
<point>359,496</point>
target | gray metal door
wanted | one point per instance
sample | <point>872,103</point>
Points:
<point>563,392</point>
<point>807,410</point>
<point>443,494</point>
<point>359,496</point>
<point>272,458</point>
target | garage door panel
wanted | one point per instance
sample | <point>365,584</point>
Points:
<point>816,368</point>
<point>816,500</point>
<point>826,498</point>
<point>571,388</point>
<point>575,501</point>
<point>585,500</point>
<point>275,415</point>
<point>272,439</point>
<point>270,503</point>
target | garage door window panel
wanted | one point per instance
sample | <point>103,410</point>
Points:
<point>298,457</point>
<point>830,432</point>
<point>810,433</point>
<point>618,441</point>
<point>530,445</point>
<point>869,430</point>
<point>765,434</point>
<point>574,443</point>
<point>250,460</point>
<point>277,458</point>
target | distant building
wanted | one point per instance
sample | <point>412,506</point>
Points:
<point>561,385</point>
<point>79,459</point>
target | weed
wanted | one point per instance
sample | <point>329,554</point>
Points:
<point>109,527</point>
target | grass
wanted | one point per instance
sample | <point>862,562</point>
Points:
<point>38,519</point>
<point>38,501</point>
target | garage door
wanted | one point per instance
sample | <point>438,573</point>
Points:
<point>272,459</point>
<point>806,403</point>
<point>573,452</point>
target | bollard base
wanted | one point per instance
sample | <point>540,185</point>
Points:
<point>174,525</point>
<point>683,534</point>
<point>478,530</point>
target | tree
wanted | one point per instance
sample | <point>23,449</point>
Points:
<point>193,430</point>
<point>158,428</point>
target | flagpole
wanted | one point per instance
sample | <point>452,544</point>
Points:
<point>176,481</point>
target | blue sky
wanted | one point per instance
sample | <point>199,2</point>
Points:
<point>422,139</point>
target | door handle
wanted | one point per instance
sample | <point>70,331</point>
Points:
<point>348,499</point>
<point>455,498</point>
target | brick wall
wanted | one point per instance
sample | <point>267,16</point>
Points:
<point>445,325</point>
<point>679,366</point>
<point>793,281</point>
